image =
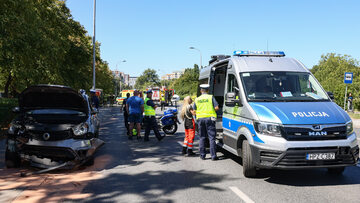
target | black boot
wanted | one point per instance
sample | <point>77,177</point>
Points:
<point>190,152</point>
<point>184,150</point>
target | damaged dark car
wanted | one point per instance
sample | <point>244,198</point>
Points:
<point>55,126</point>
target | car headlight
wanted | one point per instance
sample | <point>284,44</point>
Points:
<point>349,128</point>
<point>80,129</point>
<point>268,129</point>
<point>15,128</point>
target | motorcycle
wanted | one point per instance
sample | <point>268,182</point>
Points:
<point>168,122</point>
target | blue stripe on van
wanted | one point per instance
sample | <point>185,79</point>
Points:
<point>234,125</point>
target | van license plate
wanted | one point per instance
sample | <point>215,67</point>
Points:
<point>320,156</point>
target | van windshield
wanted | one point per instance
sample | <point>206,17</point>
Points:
<point>282,86</point>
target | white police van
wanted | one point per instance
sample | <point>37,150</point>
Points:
<point>275,114</point>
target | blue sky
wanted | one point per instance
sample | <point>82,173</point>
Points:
<point>157,34</point>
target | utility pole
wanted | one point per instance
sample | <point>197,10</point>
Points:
<point>94,46</point>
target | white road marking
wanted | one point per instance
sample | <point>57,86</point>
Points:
<point>242,195</point>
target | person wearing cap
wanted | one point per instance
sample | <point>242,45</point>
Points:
<point>135,109</point>
<point>205,107</point>
<point>150,120</point>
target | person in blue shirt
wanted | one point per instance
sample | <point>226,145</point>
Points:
<point>135,109</point>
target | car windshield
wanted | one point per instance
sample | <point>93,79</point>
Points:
<point>282,86</point>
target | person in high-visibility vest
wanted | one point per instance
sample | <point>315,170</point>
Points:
<point>162,99</point>
<point>205,107</point>
<point>150,120</point>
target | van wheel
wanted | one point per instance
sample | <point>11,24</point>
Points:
<point>12,158</point>
<point>249,169</point>
<point>336,171</point>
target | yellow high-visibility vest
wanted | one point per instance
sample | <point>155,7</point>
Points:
<point>204,106</point>
<point>149,111</point>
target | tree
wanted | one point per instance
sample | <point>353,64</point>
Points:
<point>40,42</point>
<point>330,73</point>
<point>187,84</point>
<point>149,78</point>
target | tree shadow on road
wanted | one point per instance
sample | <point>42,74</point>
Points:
<point>149,186</point>
<point>312,177</point>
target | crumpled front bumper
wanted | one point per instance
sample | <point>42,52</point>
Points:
<point>46,154</point>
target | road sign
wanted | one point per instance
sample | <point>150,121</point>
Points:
<point>348,78</point>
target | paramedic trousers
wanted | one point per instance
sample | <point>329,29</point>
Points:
<point>189,136</point>
<point>207,129</point>
<point>150,124</point>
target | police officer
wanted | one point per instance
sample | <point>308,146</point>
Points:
<point>206,107</point>
<point>150,120</point>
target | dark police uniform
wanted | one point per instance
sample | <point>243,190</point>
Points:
<point>206,118</point>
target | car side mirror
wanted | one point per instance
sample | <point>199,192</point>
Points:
<point>231,100</point>
<point>16,110</point>
<point>331,95</point>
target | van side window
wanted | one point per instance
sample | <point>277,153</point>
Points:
<point>232,84</point>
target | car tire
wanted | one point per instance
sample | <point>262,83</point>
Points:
<point>249,169</point>
<point>336,171</point>
<point>90,161</point>
<point>12,158</point>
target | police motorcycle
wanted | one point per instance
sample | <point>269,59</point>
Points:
<point>168,122</point>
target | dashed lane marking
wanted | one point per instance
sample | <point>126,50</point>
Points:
<point>242,195</point>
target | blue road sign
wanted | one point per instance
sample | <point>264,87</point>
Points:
<point>348,78</point>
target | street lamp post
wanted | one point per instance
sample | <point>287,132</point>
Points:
<point>94,46</point>
<point>123,61</point>
<point>200,55</point>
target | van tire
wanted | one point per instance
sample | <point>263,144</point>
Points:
<point>249,169</point>
<point>336,171</point>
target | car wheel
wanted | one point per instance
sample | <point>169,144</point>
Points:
<point>12,157</point>
<point>336,171</point>
<point>249,169</point>
<point>90,161</point>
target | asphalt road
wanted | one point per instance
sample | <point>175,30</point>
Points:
<point>136,171</point>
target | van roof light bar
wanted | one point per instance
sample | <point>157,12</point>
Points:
<point>260,53</point>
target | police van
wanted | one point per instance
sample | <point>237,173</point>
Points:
<point>275,114</point>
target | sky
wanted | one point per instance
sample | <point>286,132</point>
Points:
<point>157,34</point>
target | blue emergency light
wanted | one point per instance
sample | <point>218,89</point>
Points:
<point>259,53</point>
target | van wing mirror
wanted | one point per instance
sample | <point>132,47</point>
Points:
<point>331,95</point>
<point>231,100</point>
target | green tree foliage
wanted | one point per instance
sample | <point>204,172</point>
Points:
<point>330,73</point>
<point>149,78</point>
<point>40,43</point>
<point>187,84</point>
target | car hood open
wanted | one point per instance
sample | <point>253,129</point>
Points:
<point>51,97</point>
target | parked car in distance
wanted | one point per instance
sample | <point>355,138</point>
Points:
<point>55,125</point>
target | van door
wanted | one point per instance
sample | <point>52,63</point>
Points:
<point>231,114</point>
<point>217,89</point>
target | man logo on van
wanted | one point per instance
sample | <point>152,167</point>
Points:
<point>317,133</point>
<point>310,114</point>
